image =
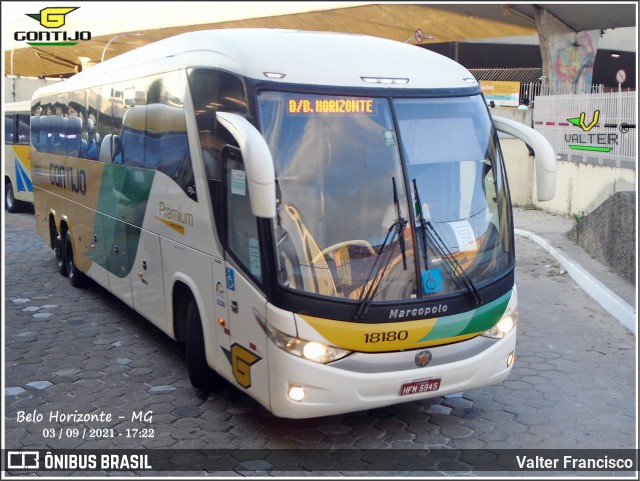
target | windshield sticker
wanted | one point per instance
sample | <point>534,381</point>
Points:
<point>238,182</point>
<point>390,138</point>
<point>231,279</point>
<point>464,235</point>
<point>432,281</point>
<point>254,257</point>
<point>221,296</point>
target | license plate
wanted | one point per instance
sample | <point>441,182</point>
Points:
<point>424,385</point>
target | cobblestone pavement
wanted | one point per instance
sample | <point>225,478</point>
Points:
<point>73,350</point>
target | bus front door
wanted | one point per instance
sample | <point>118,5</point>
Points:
<point>244,273</point>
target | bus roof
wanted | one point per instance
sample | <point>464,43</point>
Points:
<point>300,57</point>
<point>18,107</point>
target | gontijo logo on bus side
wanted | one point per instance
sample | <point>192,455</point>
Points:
<point>52,18</point>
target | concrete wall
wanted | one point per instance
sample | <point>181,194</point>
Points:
<point>582,188</point>
<point>520,171</point>
<point>23,87</point>
<point>523,116</point>
<point>609,233</point>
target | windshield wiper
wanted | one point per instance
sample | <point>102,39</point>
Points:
<point>402,222</point>
<point>457,270</point>
<point>395,229</point>
<point>423,224</point>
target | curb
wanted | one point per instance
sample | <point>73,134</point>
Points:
<point>604,296</point>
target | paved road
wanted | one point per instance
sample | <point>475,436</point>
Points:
<point>67,349</point>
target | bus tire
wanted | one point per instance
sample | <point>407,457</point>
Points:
<point>200,374</point>
<point>77,278</point>
<point>10,202</point>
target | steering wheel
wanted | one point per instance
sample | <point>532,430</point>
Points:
<point>331,248</point>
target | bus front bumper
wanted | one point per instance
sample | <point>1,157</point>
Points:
<point>323,389</point>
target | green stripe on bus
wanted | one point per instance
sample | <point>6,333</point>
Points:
<point>477,320</point>
<point>122,203</point>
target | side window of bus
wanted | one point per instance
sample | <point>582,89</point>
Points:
<point>93,129</point>
<point>166,118</point>
<point>118,109</point>
<point>42,135</point>
<point>213,91</point>
<point>55,127</point>
<point>76,126</point>
<point>242,225</point>
<point>8,128</point>
<point>132,137</point>
<point>35,130</point>
<point>23,131</point>
<point>153,132</point>
<point>101,109</point>
<point>44,142</point>
<point>131,122</point>
<point>74,147</point>
<point>58,126</point>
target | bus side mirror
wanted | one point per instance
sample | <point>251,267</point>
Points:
<point>261,178</point>
<point>545,156</point>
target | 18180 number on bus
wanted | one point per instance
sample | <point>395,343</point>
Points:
<point>385,336</point>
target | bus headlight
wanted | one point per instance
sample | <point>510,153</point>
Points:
<point>503,326</point>
<point>508,321</point>
<point>311,350</point>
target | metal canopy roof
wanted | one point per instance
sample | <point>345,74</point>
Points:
<point>524,75</point>
<point>445,23</point>
<point>581,17</point>
<point>578,16</point>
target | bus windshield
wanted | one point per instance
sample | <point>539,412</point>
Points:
<point>374,210</point>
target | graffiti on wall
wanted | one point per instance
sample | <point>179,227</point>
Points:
<point>573,57</point>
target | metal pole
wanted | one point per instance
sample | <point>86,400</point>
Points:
<point>13,79</point>
<point>116,37</point>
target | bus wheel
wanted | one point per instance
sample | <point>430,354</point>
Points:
<point>58,248</point>
<point>10,202</point>
<point>200,374</point>
<point>76,277</point>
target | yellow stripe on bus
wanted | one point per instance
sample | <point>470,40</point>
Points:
<point>179,228</point>
<point>389,336</point>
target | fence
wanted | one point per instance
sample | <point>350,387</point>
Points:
<point>595,128</point>
<point>531,90</point>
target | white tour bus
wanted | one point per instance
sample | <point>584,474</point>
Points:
<point>323,219</point>
<point>18,189</point>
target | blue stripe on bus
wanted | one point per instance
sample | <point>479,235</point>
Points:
<point>22,178</point>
